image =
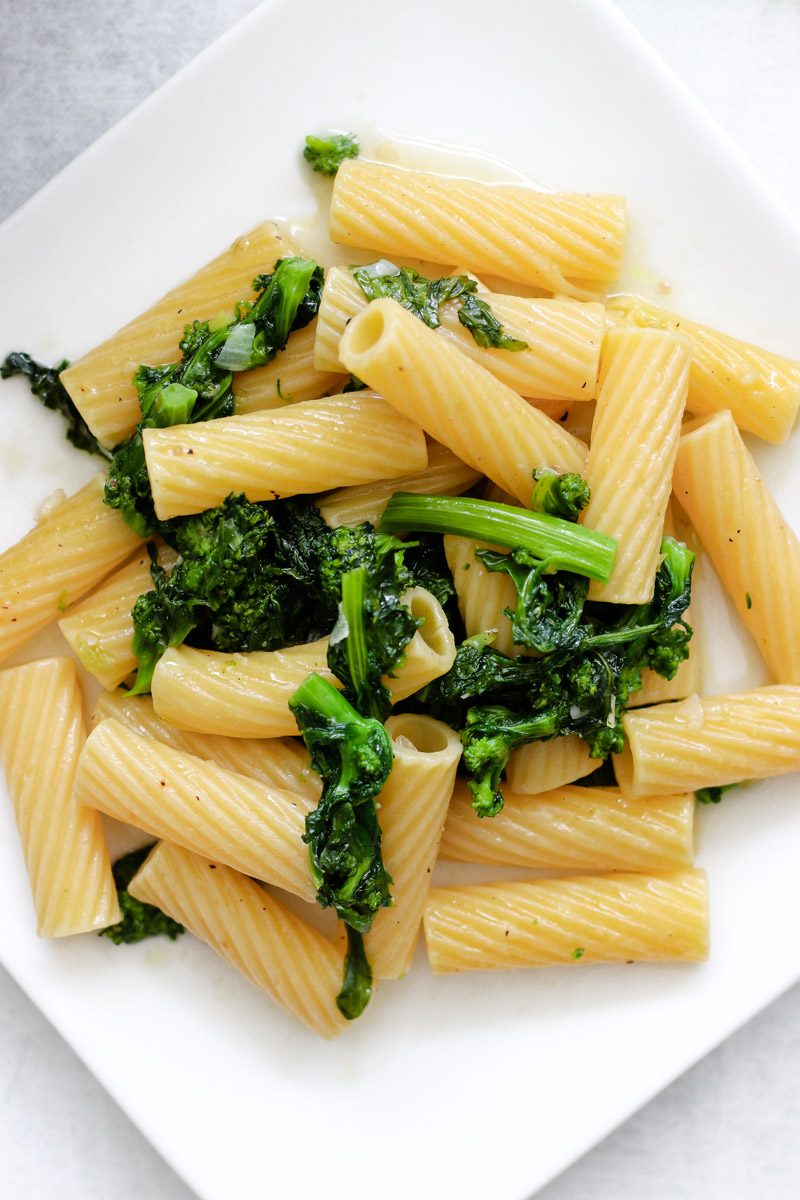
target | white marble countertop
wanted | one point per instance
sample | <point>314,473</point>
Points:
<point>728,1129</point>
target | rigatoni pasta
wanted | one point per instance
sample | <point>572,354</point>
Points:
<point>70,550</point>
<point>588,919</point>
<point>307,447</point>
<point>576,829</point>
<point>492,428</point>
<point>562,242</point>
<point>41,738</point>
<point>254,932</point>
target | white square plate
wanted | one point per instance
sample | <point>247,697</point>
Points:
<point>477,1086</point>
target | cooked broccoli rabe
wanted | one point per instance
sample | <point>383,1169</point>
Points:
<point>139,920</point>
<point>580,687</point>
<point>198,388</point>
<point>45,383</point>
<point>326,155</point>
<point>249,578</point>
<point>557,544</point>
<point>713,795</point>
<point>422,297</point>
<point>353,755</point>
<point>370,637</point>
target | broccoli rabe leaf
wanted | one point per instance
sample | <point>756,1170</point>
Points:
<point>326,154</point>
<point>713,795</point>
<point>422,297</point>
<point>45,383</point>
<point>579,687</point>
<point>370,637</point>
<point>139,920</point>
<point>353,756</point>
<point>357,983</point>
<point>249,578</point>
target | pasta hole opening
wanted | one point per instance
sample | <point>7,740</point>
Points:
<point>421,734</point>
<point>624,771</point>
<point>433,630</point>
<point>366,330</point>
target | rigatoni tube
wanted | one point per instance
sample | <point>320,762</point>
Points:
<point>552,240</point>
<point>455,400</point>
<point>308,447</point>
<point>588,919</point>
<point>274,949</point>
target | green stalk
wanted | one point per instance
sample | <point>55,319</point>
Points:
<point>563,545</point>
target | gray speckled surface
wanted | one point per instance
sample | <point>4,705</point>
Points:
<point>727,1130</point>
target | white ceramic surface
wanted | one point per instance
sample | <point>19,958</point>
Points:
<point>221,1083</point>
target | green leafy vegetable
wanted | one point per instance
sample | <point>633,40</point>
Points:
<point>45,383</point>
<point>713,795</point>
<point>139,920</point>
<point>370,637</point>
<point>580,686</point>
<point>353,755</point>
<point>557,544</point>
<point>423,297</point>
<point>250,578</point>
<point>326,155</point>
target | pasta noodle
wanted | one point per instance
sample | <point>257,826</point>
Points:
<point>491,428</point>
<point>590,919</point>
<point>574,828</point>
<point>247,695</point>
<point>290,378</point>
<point>276,762</point>
<point>634,442</point>
<point>710,741</point>
<point>276,950</point>
<point>754,551</point>
<point>41,736</point>
<point>308,447</point>
<point>761,389</point>
<point>61,559</point>
<point>412,807</point>
<point>248,826</point>
<point>563,339</point>
<point>100,628</point>
<point>542,766</point>
<point>445,475</point>
<point>552,240</point>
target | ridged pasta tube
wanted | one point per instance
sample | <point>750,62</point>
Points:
<point>276,762</point>
<point>573,828</point>
<point>482,594</point>
<point>197,805</point>
<point>588,919</point>
<point>710,741</point>
<point>247,695</point>
<point>455,400</point>
<point>445,475</point>
<point>100,382</point>
<point>412,807</point>
<point>754,550</point>
<point>637,424</point>
<point>100,628</point>
<point>274,949</point>
<point>563,339</point>
<point>555,241</point>
<point>761,389</point>
<point>542,766</point>
<point>41,737</point>
<point>290,378</point>
<point>61,559</point>
<point>308,447</point>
